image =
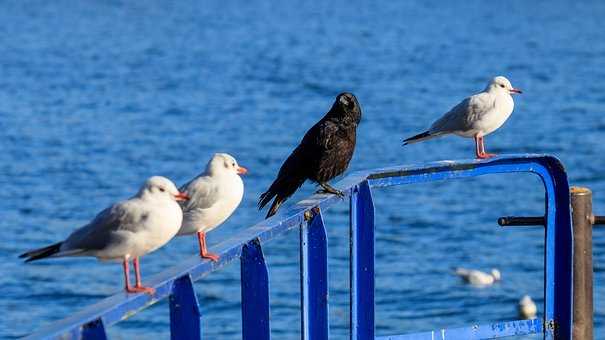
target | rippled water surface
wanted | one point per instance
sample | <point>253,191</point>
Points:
<point>97,96</point>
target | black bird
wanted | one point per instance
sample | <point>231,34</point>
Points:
<point>324,153</point>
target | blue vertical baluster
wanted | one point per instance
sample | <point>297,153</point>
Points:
<point>184,310</point>
<point>255,293</point>
<point>94,330</point>
<point>314,278</point>
<point>362,263</point>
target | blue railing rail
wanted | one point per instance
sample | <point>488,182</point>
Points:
<point>176,283</point>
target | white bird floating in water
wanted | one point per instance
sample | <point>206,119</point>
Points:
<point>478,278</point>
<point>527,308</point>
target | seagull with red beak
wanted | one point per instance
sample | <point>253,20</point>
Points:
<point>126,230</point>
<point>476,116</point>
<point>215,194</point>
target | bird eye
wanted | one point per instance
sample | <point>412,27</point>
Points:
<point>502,86</point>
<point>162,189</point>
<point>233,164</point>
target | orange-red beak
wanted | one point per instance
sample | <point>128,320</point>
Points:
<point>241,170</point>
<point>513,90</point>
<point>181,196</point>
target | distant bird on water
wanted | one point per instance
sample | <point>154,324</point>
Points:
<point>214,196</point>
<point>527,308</point>
<point>324,153</point>
<point>126,230</point>
<point>478,278</point>
<point>476,116</point>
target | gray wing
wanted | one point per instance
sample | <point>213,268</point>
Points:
<point>102,230</point>
<point>463,116</point>
<point>203,193</point>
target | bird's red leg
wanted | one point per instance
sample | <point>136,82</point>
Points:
<point>204,253</point>
<point>478,152</point>
<point>484,154</point>
<point>138,287</point>
<point>137,272</point>
<point>126,275</point>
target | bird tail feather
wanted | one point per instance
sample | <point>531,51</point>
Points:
<point>291,176</point>
<point>421,137</point>
<point>265,198</point>
<point>276,204</point>
<point>41,253</point>
<point>461,271</point>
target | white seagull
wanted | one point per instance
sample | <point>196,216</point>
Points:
<point>527,308</point>
<point>126,230</point>
<point>478,278</point>
<point>476,116</point>
<point>215,194</point>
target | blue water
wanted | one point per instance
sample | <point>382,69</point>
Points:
<point>97,96</point>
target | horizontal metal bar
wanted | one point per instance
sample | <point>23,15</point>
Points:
<point>445,170</point>
<point>488,331</point>
<point>520,221</point>
<point>513,221</point>
<point>122,305</point>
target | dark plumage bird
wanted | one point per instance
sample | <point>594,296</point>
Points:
<point>324,153</point>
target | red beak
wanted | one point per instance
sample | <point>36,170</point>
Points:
<point>181,196</point>
<point>241,170</point>
<point>513,90</point>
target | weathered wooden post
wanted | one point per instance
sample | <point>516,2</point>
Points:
<point>581,205</point>
<point>583,221</point>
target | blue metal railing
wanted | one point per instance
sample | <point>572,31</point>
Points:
<point>176,283</point>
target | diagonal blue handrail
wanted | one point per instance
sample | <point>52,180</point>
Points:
<point>176,282</point>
